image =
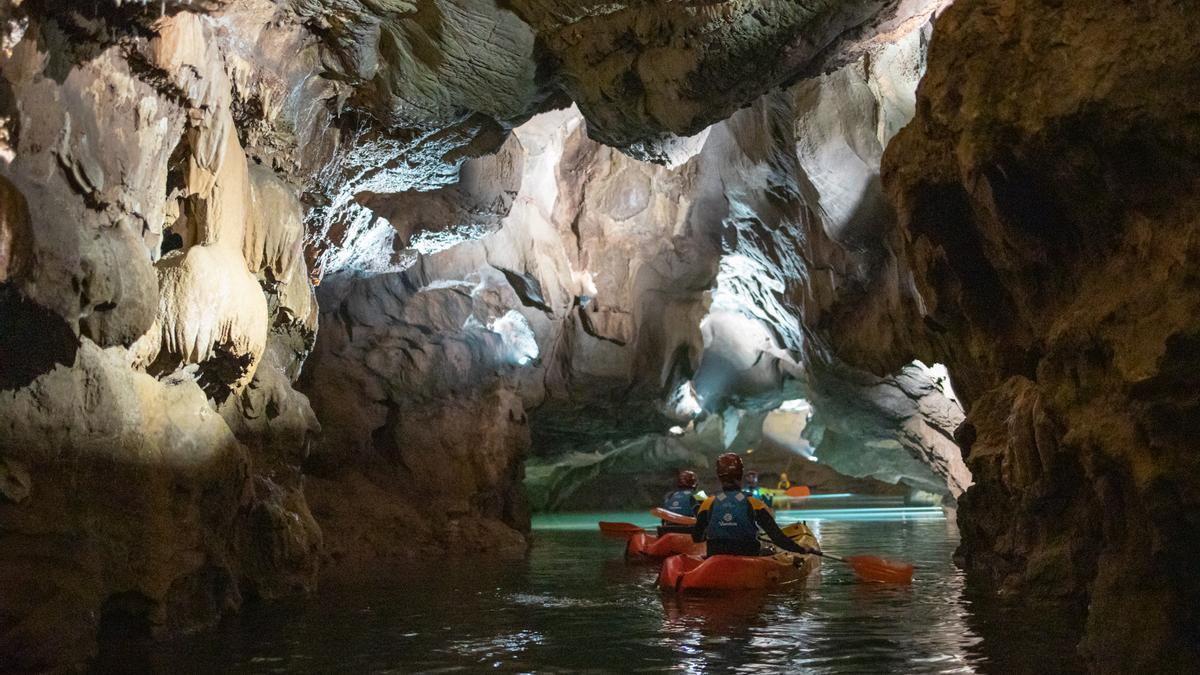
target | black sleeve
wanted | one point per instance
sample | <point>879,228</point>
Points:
<point>701,525</point>
<point>768,525</point>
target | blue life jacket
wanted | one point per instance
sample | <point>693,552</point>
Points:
<point>732,518</point>
<point>681,501</point>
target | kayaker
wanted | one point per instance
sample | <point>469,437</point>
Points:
<point>784,484</point>
<point>683,500</point>
<point>730,521</point>
<point>753,489</point>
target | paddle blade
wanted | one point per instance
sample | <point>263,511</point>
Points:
<point>871,568</point>
<point>672,517</point>
<point>619,529</point>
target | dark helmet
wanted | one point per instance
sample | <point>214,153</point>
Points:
<point>687,480</point>
<point>729,467</point>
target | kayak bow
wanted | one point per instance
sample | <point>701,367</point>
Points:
<point>648,548</point>
<point>671,516</point>
<point>620,529</point>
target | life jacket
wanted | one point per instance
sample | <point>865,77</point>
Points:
<point>681,501</point>
<point>732,518</point>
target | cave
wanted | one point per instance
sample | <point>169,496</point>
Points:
<point>329,329</point>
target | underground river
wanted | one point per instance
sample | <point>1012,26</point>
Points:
<point>574,604</point>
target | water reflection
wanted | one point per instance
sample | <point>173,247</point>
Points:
<point>712,616</point>
<point>575,605</point>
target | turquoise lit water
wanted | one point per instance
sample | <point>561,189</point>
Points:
<point>575,605</point>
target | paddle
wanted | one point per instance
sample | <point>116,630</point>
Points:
<point>866,567</point>
<point>875,569</point>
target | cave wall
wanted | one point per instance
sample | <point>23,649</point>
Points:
<point>618,299</point>
<point>175,175</point>
<point>149,432</point>
<point>1045,193</point>
<point>573,310</point>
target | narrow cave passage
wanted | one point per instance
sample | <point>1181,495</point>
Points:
<point>362,336</point>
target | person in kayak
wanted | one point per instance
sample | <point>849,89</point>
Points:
<point>730,521</point>
<point>753,489</point>
<point>784,484</point>
<point>683,500</point>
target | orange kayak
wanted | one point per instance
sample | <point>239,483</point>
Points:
<point>648,548</point>
<point>718,573</point>
<point>723,573</point>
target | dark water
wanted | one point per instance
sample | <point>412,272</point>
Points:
<point>575,605</point>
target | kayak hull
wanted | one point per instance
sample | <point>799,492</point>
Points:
<point>649,548</point>
<point>731,573</point>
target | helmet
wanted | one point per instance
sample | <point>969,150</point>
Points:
<point>687,479</point>
<point>783,476</point>
<point>729,467</point>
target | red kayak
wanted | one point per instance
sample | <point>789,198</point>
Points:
<point>722,573</point>
<point>649,548</point>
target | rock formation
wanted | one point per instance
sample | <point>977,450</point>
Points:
<point>502,277</point>
<point>1044,191</point>
<point>156,309</point>
<point>174,177</point>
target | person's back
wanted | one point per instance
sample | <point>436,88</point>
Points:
<point>730,521</point>
<point>681,501</point>
<point>730,527</point>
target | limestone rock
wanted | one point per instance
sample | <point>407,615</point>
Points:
<point>642,73</point>
<point>447,486</point>
<point>147,513</point>
<point>15,483</point>
<point>214,315</point>
<point>1045,194</point>
<point>118,123</point>
<point>898,429</point>
<point>91,188</point>
<point>163,164</point>
<point>16,236</point>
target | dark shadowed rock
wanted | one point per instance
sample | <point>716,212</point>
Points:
<point>1045,189</point>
